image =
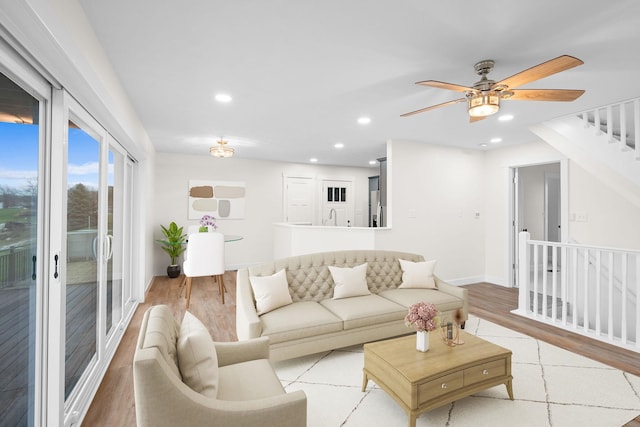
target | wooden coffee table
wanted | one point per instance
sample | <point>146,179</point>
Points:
<point>420,381</point>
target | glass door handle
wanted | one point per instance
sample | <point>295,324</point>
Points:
<point>109,248</point>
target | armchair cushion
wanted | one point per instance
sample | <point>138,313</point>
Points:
<point>270,292</point>
<point>197,357</point>
<point>417,274</point>
<point>254,379</point>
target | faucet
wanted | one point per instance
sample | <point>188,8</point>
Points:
<point>333,215</point>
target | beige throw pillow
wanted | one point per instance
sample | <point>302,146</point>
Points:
<point>418,274</point>
<point>197,357</point>
<point>271,292</point>
<point>350,282</point>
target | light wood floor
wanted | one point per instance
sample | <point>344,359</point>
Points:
<point>114,401</point>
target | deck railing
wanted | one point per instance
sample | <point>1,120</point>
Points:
<point>589,290</point>
<point>16,266</point>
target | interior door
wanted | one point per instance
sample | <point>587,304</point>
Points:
<point>552,206</point>
<point>337,203</point>
<point>299,200</point>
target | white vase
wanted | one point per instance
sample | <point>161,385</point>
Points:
<point>422,341</point>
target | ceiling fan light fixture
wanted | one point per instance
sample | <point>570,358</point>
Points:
<point>221,150</point>
<point>483,104</point>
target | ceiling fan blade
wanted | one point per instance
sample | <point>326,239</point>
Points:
<point>473,119</point>
<point>444,85</point>
<point>553,66</point>
<point>565,95</point>
<point>422,110</point>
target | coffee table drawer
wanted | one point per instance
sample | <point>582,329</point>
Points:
<point>484,372</point>
<point>443,385</point>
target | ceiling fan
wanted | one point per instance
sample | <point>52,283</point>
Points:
<point>483,98</point>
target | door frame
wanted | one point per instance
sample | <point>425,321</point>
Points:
<point>511,266</point>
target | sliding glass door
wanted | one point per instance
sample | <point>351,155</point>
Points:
<point>22,134</point>
<point>84,215</point>
<point>66,209</point>
<point>97,264</point>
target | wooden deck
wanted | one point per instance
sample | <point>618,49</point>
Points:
<point>17,334</point>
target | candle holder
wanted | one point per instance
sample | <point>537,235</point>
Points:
<point>457,318</point>
<point>450,333</point>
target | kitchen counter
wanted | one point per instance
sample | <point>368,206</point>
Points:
<point>295,239</point>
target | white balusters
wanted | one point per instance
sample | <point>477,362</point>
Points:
<point>597,289</point>
<point>617,114</point>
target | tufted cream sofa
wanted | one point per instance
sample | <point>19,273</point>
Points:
<point>315,322</point>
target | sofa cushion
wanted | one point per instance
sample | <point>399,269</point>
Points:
<point>406,297</point>
<point>310,280</point>
<point>197,357</point>
<point>162,333</point>
<point>300,320</point>
<point>270,292</point>
<point>349,281</point>
<point>417,274</point>
<point>250,380</point>
<point>364,310</point>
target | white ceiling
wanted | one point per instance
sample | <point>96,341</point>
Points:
<point>302,72</point>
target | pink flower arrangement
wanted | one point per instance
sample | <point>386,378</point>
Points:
<point>422,316</point>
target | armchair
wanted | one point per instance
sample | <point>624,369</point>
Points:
<point>247,391</point>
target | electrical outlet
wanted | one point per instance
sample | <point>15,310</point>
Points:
<point>581,217</point>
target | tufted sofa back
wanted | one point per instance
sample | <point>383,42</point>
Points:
<point>309,277</point>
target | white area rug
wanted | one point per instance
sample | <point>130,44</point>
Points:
<point>551,387</point>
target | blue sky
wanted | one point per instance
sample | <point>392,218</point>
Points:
<point>19,158</point>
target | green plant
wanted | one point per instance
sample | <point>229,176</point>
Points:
<point>174,242</point>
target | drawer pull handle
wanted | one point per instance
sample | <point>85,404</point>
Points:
<point>485,372</point>
<point>444,385</point>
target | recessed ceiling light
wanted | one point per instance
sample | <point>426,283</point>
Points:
<point>223,97</point>
<point>338,145</point>
<point>483,145</point>
<point>495,140</point>
<point>373,162</point>
<point>313,160</point>
<point>364,120</point>
<point>505,117</point>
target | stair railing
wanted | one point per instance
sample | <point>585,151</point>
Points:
<point>589,290</point>
<point>619,121</point>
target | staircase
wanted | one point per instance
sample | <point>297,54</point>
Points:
<point>605,140</point>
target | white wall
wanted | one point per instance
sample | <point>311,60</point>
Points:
<point>611,220</point>
<point>436,192</point>
<point>264,199</point>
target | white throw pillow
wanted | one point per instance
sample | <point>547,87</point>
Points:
<point>271,292</point>
<point>418,274</point>
<point>197,357</point>
<point>350,282</point>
